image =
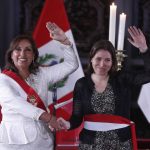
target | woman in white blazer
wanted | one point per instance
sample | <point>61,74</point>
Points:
<point>24,93</point>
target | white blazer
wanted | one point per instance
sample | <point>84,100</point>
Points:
<point>20,123</point>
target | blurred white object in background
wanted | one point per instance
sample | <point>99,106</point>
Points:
<point>144,100</point>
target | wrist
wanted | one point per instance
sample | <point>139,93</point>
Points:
<point>143,49</point>
<point>66,41</point>
<point>45,117</point>
<point>50,118</point>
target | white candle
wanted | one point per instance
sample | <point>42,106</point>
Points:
<point>112,23</point>
<point>121,31</point>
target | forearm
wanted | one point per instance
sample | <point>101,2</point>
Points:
<point>143,49</point>
<point>70,59</point>
<point>61,70</point>
<point>66,41</point>
<point>75,121</point>
<point>19,105</point>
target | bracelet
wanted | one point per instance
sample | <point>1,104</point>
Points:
<point>64,40</point>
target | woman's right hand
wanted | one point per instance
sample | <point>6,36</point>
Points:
<point>137,39</point>
<point>50,120</point>
<point>57,33</point>
<point>63,124</point>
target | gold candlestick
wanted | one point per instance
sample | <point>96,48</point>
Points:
<point>120,58</point>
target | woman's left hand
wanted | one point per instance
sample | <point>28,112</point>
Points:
<point>63,124</point>
<point>56,32</point>
<point>137,38</point>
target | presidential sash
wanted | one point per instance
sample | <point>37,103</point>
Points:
<point>107,118</point>
<point>33,97</point>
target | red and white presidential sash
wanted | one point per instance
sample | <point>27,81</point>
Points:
<point>92,120</point>
<point>33,97</point>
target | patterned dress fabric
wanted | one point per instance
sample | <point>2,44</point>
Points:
<point>104,103</point>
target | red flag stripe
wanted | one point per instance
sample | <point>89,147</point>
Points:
<point>65,98</point>
<point>62,99</point>
<point>53,11</point>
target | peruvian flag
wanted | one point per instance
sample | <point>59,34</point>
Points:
<point>50,53</point>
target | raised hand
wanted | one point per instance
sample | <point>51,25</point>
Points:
<point>137,38</point>
<point>63,124</point>
<point>57,33</point>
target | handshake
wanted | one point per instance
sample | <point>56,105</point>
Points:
<point>54,123</point>
<point>58,124</point>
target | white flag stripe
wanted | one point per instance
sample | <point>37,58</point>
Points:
<point>63,103</point>
<point>53,47</point>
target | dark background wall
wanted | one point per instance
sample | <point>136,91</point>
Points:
<point>9,25</point>
<point>89,20</point>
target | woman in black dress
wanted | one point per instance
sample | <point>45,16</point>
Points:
<point>102,98</point>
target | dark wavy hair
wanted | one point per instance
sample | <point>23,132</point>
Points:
<point>102,45</point>
<point>33,68</point>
